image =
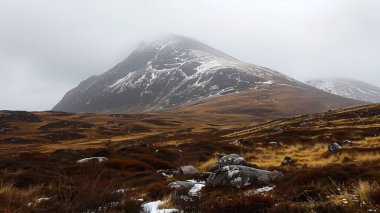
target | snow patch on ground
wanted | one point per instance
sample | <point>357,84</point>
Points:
<point>264,189</point>
<point>196,189</point>
<point>39,200</point>
<point>152,207</point>
<point>91,159</point>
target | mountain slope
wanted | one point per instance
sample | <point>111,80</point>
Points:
<point>168,72</point>
<point>261,104</point>
<point>348,88</point>
<point>176,72</point>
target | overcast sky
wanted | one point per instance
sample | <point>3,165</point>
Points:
<point>48,46</point>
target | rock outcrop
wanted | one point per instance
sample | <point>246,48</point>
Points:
<point>241,176</point>
<point>232,159</point>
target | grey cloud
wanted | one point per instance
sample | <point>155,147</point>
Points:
<point>47,47</point>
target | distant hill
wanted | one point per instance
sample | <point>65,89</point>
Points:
<point>348,88</point>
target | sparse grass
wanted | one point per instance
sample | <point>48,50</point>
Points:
<point>356,198</point>
<point>205,166</point>
<point>315,155</point>
<point>167,201</point>
<point>13,199</point>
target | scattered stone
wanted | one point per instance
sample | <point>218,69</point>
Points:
<point>232,159</point>
<point>92,159</point>
<point>181,185</point>
<point>5,131</point>
<point>334,147</point>
<point>288,161</point>
<point>189,169</point>
<point>303,124</point>
<point>273,143</point>
<point>239,142</point>
<point>168,172</point>
<point>241,176</point>
<point>346,142</point>
<point>191,187</point>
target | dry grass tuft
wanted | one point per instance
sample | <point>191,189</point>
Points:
<point>167,202</point>
<point>205,166</point>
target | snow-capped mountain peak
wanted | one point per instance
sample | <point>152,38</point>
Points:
<point>167,72</point>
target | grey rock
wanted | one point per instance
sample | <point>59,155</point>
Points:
<point>346,142</point>
<point>182,185</point>
<point>288,161</point>
<point>232,159</point>
<point>239,142</point>
<point>241,176</point>
<point>334,147</point>
<point>273,143</point>
<point>189,169</point>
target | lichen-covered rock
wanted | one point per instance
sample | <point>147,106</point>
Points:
<point>241,176</point>
<point>232,159</point>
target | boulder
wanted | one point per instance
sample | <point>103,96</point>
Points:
<point>241,176</point>
<point>334,147</point>
<point>232,159</point>
<point>189,169</point>
<point>182,185</point>
<point>288,161</point>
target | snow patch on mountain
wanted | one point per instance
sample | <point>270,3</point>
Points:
<point>348,88</point>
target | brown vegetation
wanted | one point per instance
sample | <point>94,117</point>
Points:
<point>33,166</point>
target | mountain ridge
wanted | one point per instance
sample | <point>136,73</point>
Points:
<point>170,72</point>
<point>349,88</point>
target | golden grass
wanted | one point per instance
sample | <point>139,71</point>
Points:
<point>204,166</point>
<point>167,202</point>
<point>315,155</point>
<point>352,197</point>
<point>14,199</point>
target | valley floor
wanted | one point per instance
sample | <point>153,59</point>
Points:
<point>136,158</point>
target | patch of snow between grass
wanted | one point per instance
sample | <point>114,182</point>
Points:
<point>98,159</point>
<point>152,207</point>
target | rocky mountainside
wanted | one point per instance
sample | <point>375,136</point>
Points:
<point>168,72</point>
<point>348,88</point>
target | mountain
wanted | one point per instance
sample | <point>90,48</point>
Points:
<point>348,88</point>
<point>169,72</point>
